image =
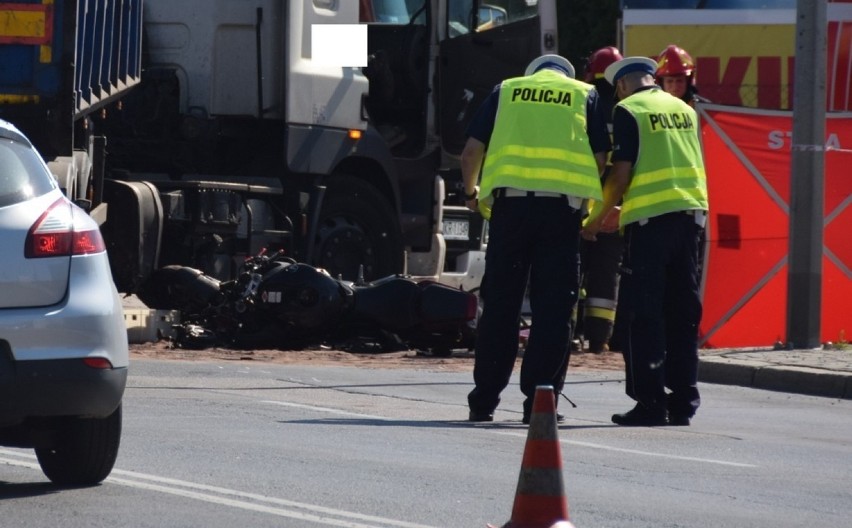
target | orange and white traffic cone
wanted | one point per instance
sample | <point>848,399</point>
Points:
<point>540,500</point>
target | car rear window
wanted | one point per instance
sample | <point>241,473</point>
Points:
<point>22,173</point>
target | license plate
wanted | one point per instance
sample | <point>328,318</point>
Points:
<point>456,230</point>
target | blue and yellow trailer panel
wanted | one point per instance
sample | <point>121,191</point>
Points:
<point>83,53</point>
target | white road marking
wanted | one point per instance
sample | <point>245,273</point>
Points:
<point>589,445</point>
<point>312,513</point>
<point>326,410</point>
<point>603,447</point>
<point>233,498</point>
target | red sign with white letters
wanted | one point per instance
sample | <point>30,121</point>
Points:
<point>747,154</point>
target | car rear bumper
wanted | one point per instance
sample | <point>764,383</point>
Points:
<point>43,350</point>
<point>89,322</point>
<point>61,387</point>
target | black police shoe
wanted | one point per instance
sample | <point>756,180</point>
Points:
<point>642,416</point>
<point>475,416</point>
<point>676,415</point>
<point>678,419</point>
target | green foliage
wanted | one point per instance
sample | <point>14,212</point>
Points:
<point>584,27</point>
<point>842,344</point>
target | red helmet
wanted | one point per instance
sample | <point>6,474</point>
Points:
<point>674,61</point>
<point>599,60</point>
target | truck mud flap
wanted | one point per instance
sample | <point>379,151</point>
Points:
<point>132,231</point>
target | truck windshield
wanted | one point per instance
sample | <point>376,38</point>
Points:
<point>488,15</point>
<point>708,4</point>
<point>393,11</point>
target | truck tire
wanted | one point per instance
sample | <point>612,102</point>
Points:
<point>85,450</point>
<point>357,226</point>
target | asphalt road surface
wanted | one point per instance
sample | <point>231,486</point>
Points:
<point>248,444</point>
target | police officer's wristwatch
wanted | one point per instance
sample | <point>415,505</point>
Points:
<point>473,195</point>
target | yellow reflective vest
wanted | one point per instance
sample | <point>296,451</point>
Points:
<point>669,173</point>
<point>539,141</point>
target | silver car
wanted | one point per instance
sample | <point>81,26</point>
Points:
<point>63,340</point>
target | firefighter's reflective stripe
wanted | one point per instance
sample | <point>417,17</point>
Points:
<point>600,308</point>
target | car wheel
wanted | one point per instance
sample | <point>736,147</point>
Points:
<point>84,452</point>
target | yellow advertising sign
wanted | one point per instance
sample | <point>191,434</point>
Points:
<point>744,57</point>
<point>742,65</point>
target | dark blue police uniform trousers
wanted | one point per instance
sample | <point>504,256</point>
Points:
<point>661,300</point>
<point>535,237</point>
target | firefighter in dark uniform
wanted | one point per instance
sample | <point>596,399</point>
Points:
<point>658,172</point>
<point>676,74</point>
<point>545,149</point>
<point>601,259</point>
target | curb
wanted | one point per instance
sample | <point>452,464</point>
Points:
<point>799,380</point>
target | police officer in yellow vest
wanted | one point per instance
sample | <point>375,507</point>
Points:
<point>544,143</point>
<point>658,170</point>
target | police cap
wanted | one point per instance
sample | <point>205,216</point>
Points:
<point>554,62</point>
<point>619,69</point>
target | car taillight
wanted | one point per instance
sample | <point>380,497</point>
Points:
<point>55,235</point>
<point>97,363</point>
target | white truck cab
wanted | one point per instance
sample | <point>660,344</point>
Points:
<point>252,143</point>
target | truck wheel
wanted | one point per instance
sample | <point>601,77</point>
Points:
<point>357,227</point>
<point>84,452</point>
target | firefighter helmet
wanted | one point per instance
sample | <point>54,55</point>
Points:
<point>674,60</point>
<point>599,60</point>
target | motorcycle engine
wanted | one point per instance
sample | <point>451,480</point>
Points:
<point>303,297</point>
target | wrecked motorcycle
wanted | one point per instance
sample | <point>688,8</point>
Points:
<point>280,303</point>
